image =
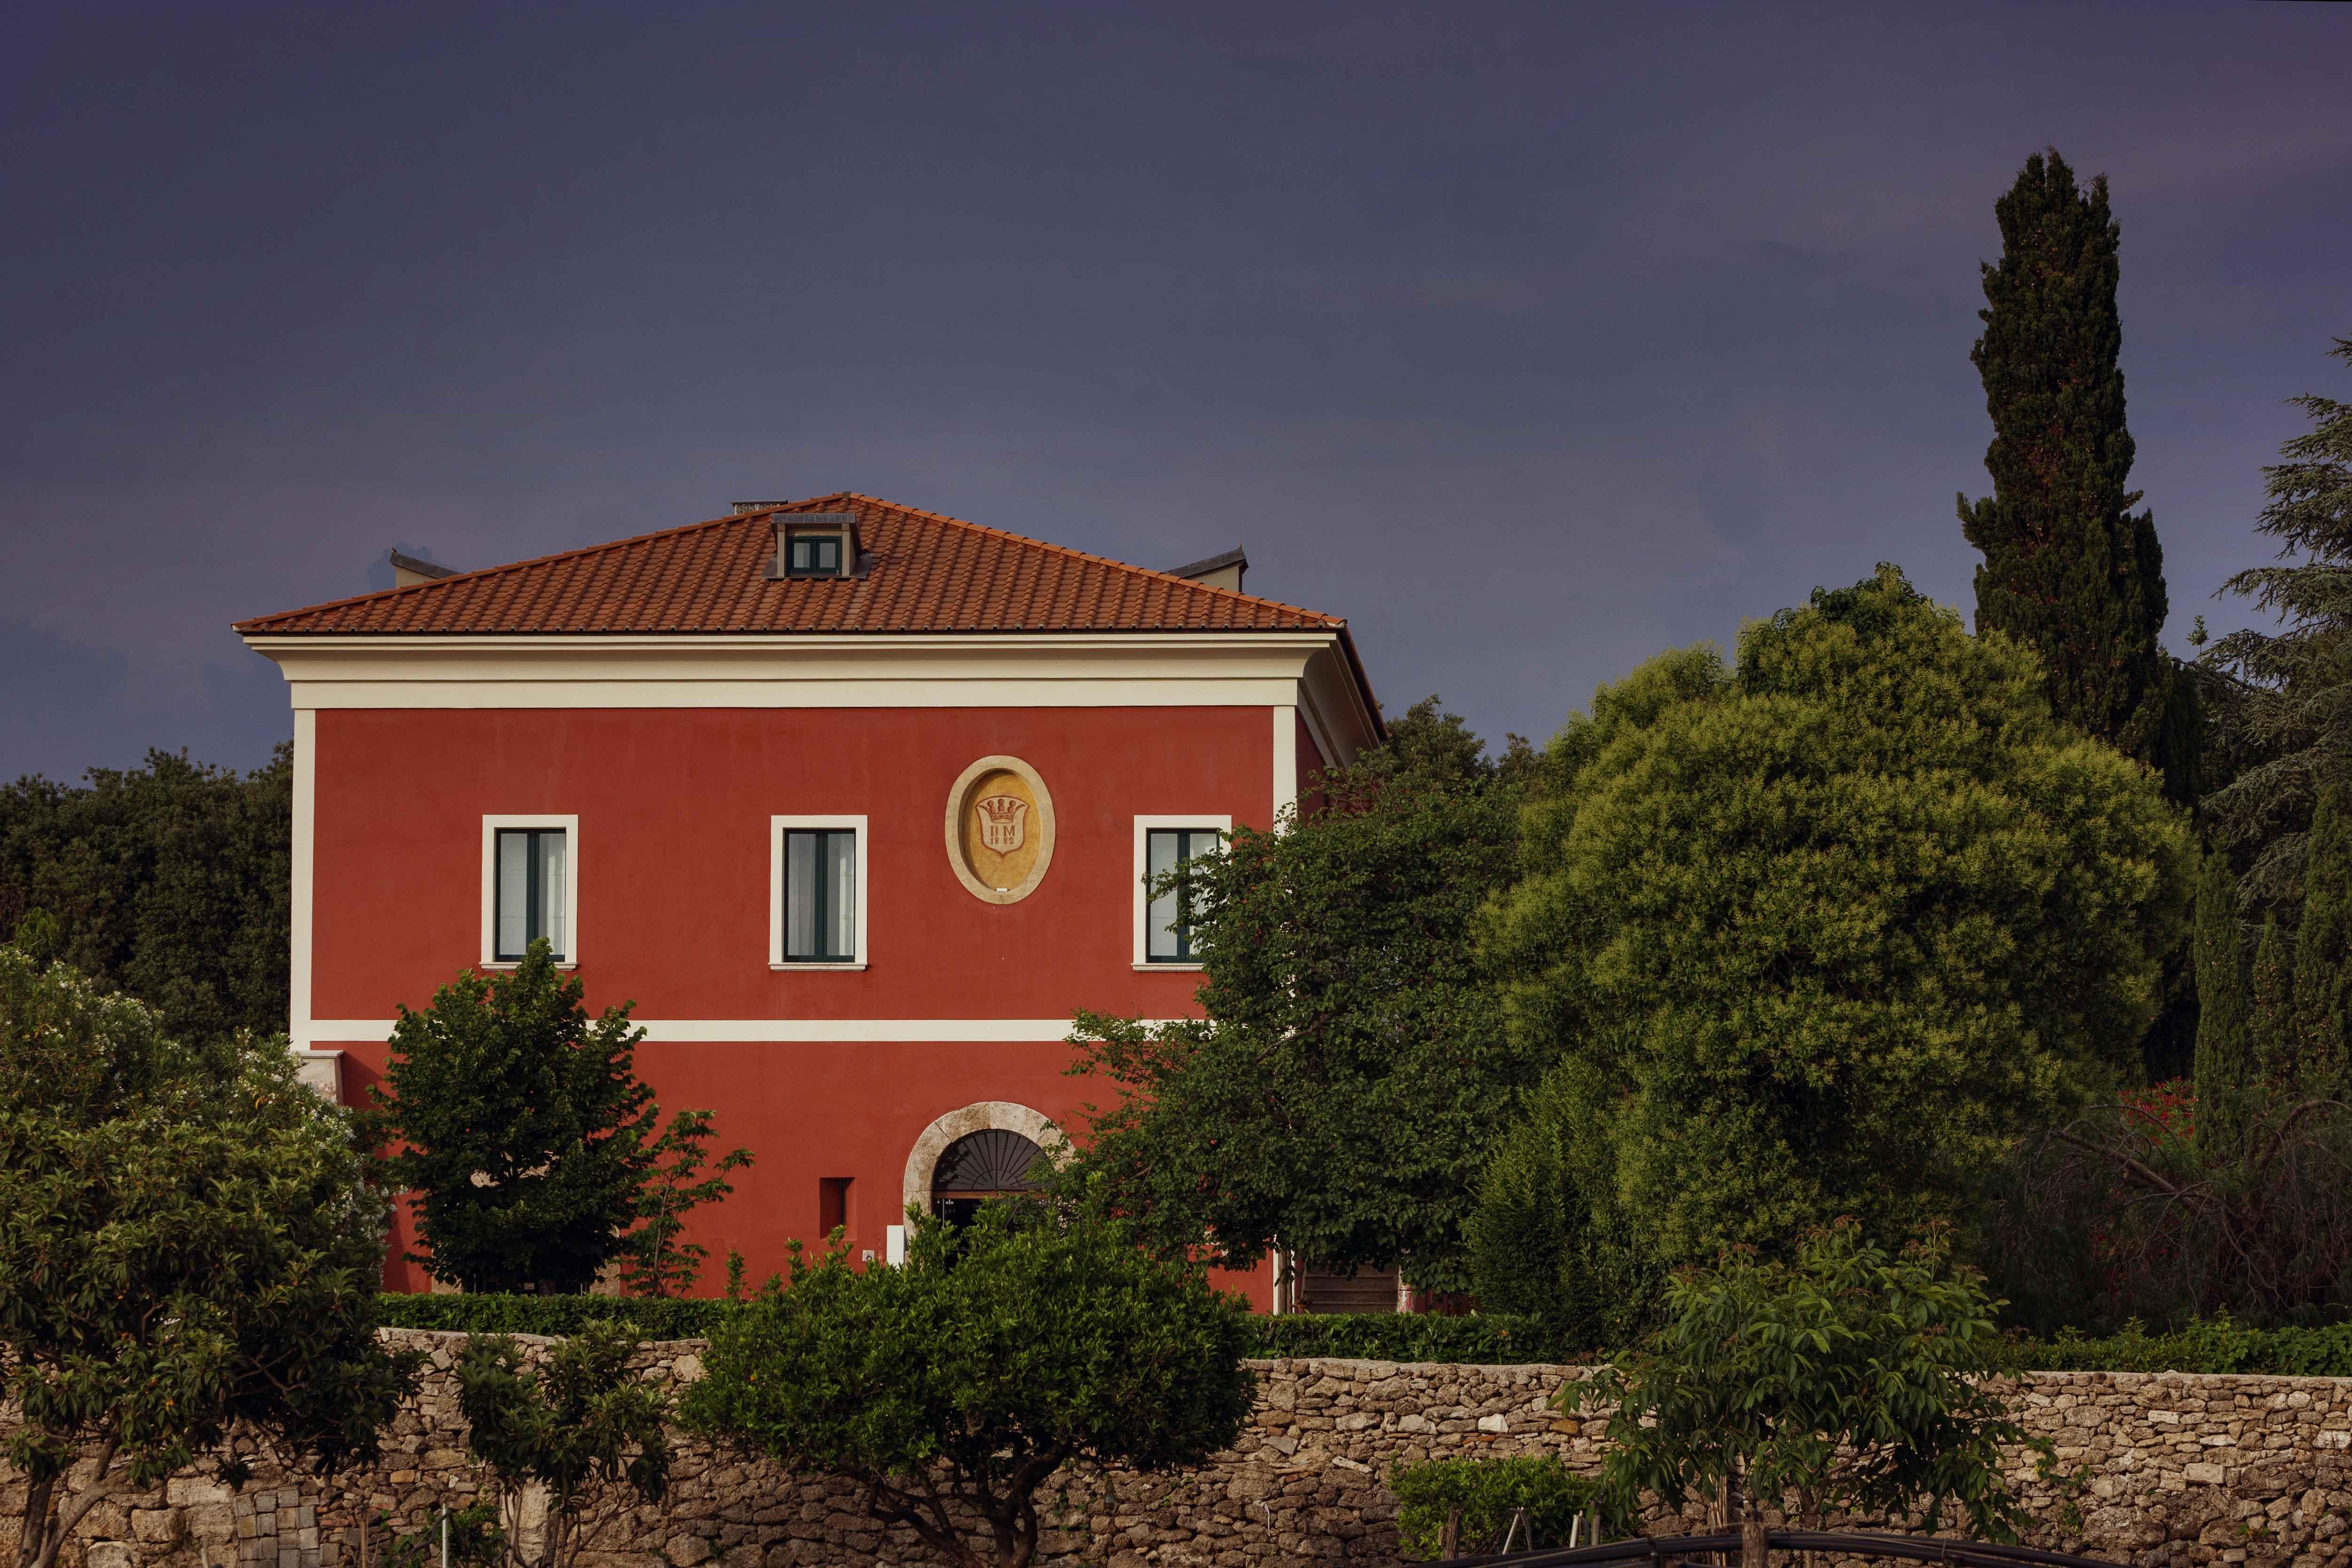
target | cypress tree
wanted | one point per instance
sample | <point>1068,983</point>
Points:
<point>2224,1049</point>
<point>2069,569</point>
<point>2270,1016</point>
<point>2323,949</point>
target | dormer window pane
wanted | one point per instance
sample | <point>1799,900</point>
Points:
<point>814,555</point>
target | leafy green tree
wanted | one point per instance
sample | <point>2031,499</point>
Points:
<point>2323,951</point>
<point>1821,935</point>
<point>531,1145</point>
<point>684,1178</point>
<point>2271,1019</point>
<point>1342,1093</point>
<point>583,1425</point>
<point>1848,1379</point>
<point>1434,746</point>
<point>471,1534</point>
<point>189,1248</point>
<point>953,1388</point>
<point>2225,1050</point>
<point>2283,700</point>
<point>171,883</point>
<point>2069,570</point>
<point>1550,1237</point>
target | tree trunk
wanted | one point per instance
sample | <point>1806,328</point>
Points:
<point>40,1511</point>
<point>104,1483</point>
<point>1753,1552</point>
<point>1449,1541</point>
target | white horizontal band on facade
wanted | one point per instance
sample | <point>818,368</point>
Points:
<point>812,1031</point>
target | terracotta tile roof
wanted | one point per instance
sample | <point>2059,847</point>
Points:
<point>928,573</point>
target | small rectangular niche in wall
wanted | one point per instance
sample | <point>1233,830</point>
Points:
<point>832,1205</point>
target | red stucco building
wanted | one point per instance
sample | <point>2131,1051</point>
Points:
<point>856,802</point>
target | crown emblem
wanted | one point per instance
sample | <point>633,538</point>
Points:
<point>1004,822</point>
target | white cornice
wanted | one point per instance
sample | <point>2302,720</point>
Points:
<point>1084,669</point>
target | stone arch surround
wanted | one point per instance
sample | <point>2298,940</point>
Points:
<point>981,1116</point>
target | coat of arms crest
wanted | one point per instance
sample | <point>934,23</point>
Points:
<point>1003,822</point>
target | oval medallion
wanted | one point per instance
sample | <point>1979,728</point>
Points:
<point>1000,828</point>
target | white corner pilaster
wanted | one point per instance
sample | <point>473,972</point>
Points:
<point>1286,758</point>
<point>306,819</point>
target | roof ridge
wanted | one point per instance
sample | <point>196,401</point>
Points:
<point>483,572</point>
<point>1077,554</point>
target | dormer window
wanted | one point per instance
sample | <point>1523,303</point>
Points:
<point>816,544</point>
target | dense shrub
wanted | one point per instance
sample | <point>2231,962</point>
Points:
<point>1489,1493</point>
<point>2147,1210</point>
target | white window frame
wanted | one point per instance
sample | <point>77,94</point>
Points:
<point>490,826</point>
<point>777,827</point>
<point>1222,821</point>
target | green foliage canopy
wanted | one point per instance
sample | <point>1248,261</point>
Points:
<point>1819,935</point>
<point>2282,700</point>
<point>169,882</point>
<point>189,1244</point>
<point>1551,1237</point>
<point>531,1143</point>
<point>1848,1380</point>
<point>584,1427</point>
<point>953,1386</point>
<point>1343,1092</point>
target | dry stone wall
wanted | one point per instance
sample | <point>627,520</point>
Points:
<point>2154,1470</point>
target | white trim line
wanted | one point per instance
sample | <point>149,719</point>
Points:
<point>777,827</point>
<point>490,826</point>
<point>1223,822</point>
<point>782,1031</point>
<point>300,910</point>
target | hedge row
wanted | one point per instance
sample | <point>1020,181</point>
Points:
<point>551,1314</point>
<point>1384,1338</point>
<point>1490,1338</point>
<point>2214,1346</point>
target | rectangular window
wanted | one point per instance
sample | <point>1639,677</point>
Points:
<point>820,895</point>
<point>533,865</point>
<point>812,555</point>
<point>1169,919</point>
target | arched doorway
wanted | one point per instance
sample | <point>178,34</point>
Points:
<point>982,1116</point>
<point>996,1163</point>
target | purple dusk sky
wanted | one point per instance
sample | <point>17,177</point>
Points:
<point>1533,339</point>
